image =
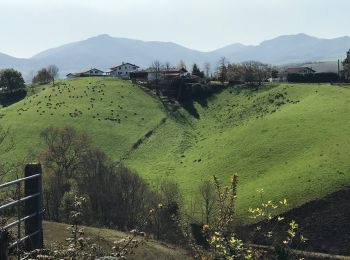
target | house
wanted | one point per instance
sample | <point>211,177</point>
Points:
<point>283,77</point>
<point>123,70</point>
<point>86,73</point>
<point>71,75</point>
<point>166,73</point>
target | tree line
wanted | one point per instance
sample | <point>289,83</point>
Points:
<point>116,197</point>
<point>12,81</point>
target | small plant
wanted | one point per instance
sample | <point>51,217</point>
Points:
<point>265,213</point>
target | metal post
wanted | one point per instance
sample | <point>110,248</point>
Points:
<point>4,243</point>
<point>33,206</point>
<point>19,220</point>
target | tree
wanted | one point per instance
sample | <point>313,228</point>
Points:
<point>182,65</point>
<point>167,65</point>
<point>156,68</point>
<point>262,71</point>
<point>53,71</point>
<point>165,222</point>
<point>208,197</point>
<point>235,73</point>
<point>43,76</point>
<point>255,72</point>
<point>274,73</point>
<point>196,71</point>
<point>222,70</point>
<point>346,67</point>
<point>11,80</point>
<point>115,195</point>
<point>207,69</point>
<point>61,158</point>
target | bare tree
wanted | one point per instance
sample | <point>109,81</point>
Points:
<point>208,198</point>
<point>182,65</point>
<point>53,71</point>
<point>222,70</point>
<point>167,65</point>
<point>235,73</point>
<point>156,68</point>
<point>61,157</point>
<point>207,69</point>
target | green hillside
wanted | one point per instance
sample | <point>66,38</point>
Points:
<point>291,139</point>
<point>113,112</point>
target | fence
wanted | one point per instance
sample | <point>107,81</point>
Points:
<point>32,217</point>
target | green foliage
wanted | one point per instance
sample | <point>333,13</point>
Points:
<point>346,65</point>
<point>11,80</point>
<point>196,71</point>
<point>224,243</point>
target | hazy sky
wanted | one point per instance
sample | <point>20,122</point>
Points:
<point>30,26</point>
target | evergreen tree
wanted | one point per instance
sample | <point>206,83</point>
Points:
<point>196,71</point>
<point>346,67</point>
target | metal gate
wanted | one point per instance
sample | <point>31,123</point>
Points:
<point>31,216</point>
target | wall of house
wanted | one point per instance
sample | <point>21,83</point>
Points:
<point>123,70</point>
<point>93,72</point>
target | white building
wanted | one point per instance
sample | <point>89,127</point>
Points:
<point>86,73</point>
<point>123,70</point>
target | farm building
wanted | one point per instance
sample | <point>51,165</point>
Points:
<point>298,70</point>
<point>283,76</point>
<point>123,70</point>
<point>86,73</point>
<point>166,73</point>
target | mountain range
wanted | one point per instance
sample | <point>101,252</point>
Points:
<point>104,51</point>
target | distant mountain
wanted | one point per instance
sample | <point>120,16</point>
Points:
<point>104,51</point>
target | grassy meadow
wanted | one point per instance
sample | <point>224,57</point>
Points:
<point>292,140</point>
<point>114,113</point>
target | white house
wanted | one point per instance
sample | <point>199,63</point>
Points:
<point>123,70</point>
<point>85,73</point>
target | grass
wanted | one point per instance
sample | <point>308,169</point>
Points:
<point>289,139</point>
<point>113,112</point>
<point>56,233</point>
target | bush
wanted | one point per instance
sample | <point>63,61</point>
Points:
<point>314,78</point>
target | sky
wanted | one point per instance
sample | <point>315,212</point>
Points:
<point>30,26</point>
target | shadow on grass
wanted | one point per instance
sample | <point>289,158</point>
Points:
<point>7,99</point>
<point>201,99</point>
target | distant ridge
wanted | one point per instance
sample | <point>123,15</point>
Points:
<point>103,51</point>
